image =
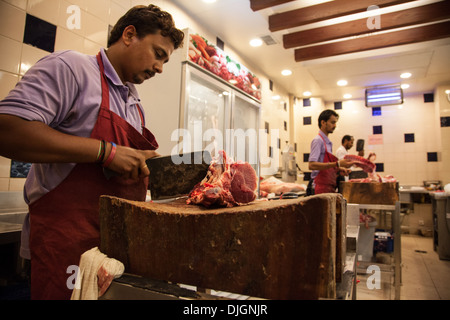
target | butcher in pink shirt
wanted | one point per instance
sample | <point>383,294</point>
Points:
<point>72,116</point>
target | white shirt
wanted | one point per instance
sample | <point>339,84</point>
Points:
<point>341,152</point>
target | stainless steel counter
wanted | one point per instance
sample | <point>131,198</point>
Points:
<point>13,211</point>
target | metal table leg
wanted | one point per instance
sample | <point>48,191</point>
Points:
<point>397,250</point>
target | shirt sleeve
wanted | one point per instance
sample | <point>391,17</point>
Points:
<point>317,149</point>
<point>45,93</point>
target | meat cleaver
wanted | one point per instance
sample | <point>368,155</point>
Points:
<point>360,145</point>
<point>176,175</point>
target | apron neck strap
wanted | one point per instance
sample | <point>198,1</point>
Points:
<point>324,143</point>
<point>104,80</point>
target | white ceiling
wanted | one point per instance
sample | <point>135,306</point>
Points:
<point>236,24</point>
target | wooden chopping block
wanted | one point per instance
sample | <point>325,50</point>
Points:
<point>341,236</point>
<point>283,249</point>
<point>385,193</point>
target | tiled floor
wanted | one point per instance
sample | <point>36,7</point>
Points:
<point>424,275</point>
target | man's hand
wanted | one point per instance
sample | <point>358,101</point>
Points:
<point>344,171</point>
<point>130,163</point>
<point>343,163</point>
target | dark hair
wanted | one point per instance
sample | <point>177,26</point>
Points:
<point>346,138</point>
<point>147,20</point>
<point>326,115</point>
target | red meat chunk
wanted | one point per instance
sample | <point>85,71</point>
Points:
<point>226,184</point>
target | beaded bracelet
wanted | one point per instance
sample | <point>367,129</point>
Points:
<point>111,155</point>
<point>101,152</point>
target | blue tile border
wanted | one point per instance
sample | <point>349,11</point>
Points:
<point>445,122</point>
<point>39,33</point>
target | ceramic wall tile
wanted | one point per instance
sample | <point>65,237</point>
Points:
<point>67,40</point>
<point>39,33</point>
<point>47,10</point>
<point>96,30</point>
<point>30,55</point>
<point>12,21</point>
<point>5,165</point>
<point>16,184</point>
<point>4,184</point>
<point>82,4</point>
<point>21,4</point>
<point>116,12</point>
<point>91,47</point>
<point>10,53</point>
<point>7,82</point>
<point>99,9</point>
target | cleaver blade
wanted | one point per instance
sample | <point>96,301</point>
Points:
<point>176,175</point>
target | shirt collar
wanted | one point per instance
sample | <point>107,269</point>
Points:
<point>110,72</point>
<point>324,136</point>
<point>114,78</point>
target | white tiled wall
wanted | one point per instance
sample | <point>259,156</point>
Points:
<point>16,57</point>
<point>405,161</point>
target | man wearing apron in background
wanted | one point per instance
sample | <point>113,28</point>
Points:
<point>72,115</point>
<point>326,167</point>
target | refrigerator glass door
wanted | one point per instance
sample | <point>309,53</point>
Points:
<point>206,111</point>
<point>245,125</point>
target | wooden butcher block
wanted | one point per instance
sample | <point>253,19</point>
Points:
<point>384,193</point>
<point>282,249</point>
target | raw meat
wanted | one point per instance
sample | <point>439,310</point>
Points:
<point>274,185</point>
<point>367,165</point>
<point>375,177</point>
<point>227,183</point>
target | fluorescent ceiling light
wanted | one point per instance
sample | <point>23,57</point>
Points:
<point>384,96</point>
<point>342,83</point>
<point>405,75</point>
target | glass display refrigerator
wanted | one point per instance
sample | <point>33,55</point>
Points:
<point>204,100</point>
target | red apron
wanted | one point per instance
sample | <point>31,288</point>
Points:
<point>65,221</point>
<point>325,180</point>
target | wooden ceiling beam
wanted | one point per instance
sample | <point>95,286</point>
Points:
<point>428,13</point>
<point>256,5</point>
<point>324,11</point>
<point>376,41</point>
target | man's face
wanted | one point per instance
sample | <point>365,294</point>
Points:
<point>349,144</point>
<point>330,125</point>
<point>145,57</point>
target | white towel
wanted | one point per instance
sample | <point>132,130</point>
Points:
<point>95,273</point>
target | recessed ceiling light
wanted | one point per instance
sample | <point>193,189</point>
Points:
<point>307,94</point>
<point>209,1</point>
<point>276,97</point>
<point>405,75</point>
<point>256,42</point>
<point>447,91</point>
<point>347,96</point>
<point>405,86</point>
<point>342,83</point>
<point>286,72</point>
